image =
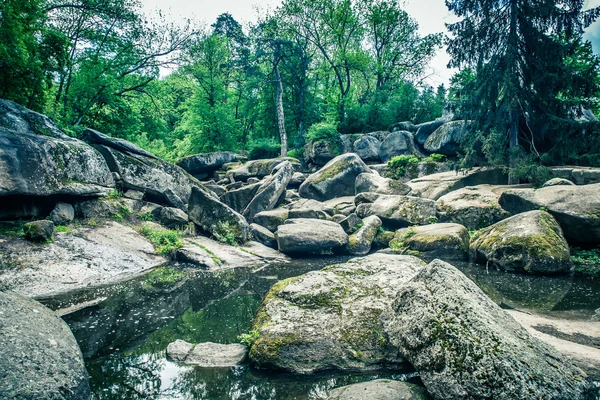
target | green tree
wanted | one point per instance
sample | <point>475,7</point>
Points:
<point>516,48</point>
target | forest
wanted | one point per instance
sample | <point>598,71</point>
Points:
<point>309,69</point>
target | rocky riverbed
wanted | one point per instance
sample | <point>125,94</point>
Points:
<point>329,274</point>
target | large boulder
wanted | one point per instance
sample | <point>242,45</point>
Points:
<point>576,208</point>
<point>39,357</point>
<point>447,138</point>
<point>449,242</point>
<point>360,241</point>
<point>310,236</point>
<point>272,219</point>
<point>367,148</point>
<point>403,126</point>
<point>270,191</point>
<point>217,218</point>
<point>329,319</point>
<point>397,144</point>
<point>369,182</point>
<point>398,211</point>
<point>322,151</point>
<point>437,185</point>
<point>380,389</point>
<point>207,162</point>
<point>34,164</point>
<point>15,117</point>
<point>475,207</point>
<point>425,130</point>
<point>336,179</point>
<point>464,346</point>
<point>260,168</point>
<point>530,242</point>
<point>121,145</point>
<point>39,231</point>
<point>239,198</point>
<point>161,181</point>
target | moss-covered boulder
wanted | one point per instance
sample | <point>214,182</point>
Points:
<point>530,242</point>
<point>447,138</point>
<point>576,208</point>
<point>310,236</point>
<point>464,346</point>
<point>448,242</point>
<point>475,207</point>
<point>336,179</point>
<point>39,231</point>
<point>397,211</point>
<point>323,151</point>
<point>217,218</point>
<point>329,319</point>
<point>426,129</point>
<point>367,148</point>
<point>360,241</point>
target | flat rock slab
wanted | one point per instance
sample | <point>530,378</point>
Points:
<point>436,185</point>
<point>88,256</point>
<point>380,389</point>
<point>310,236</point>
<point>212,255</point>
<point>208,355</point>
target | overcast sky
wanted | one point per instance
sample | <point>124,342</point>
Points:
<point>431,15</point>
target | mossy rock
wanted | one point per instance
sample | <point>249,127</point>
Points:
<point>449,242</point>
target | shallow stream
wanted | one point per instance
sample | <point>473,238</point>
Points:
<point>123,336</point>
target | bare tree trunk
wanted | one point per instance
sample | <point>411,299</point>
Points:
<point>280,112</point>
<point>514,81</point>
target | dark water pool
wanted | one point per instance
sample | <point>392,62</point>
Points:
<point>124,336</point>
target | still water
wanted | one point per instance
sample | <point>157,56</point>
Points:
<point>124,336</point>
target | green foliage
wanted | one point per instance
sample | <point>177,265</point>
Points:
<point>249,338</point>
<point>399,165</point>
<point>437,158</point>
<point>123,213</point>
<point>12,229</point>
<point>263,148</point>
<point>165,241</point>
<point>228,233</point>
<point>297,154</point>
<point>114,194</point>
<point>587,262</point>
<point>147,216</point>
<point>62,228</point>
<point>530,171</point>
<point>323,131</point>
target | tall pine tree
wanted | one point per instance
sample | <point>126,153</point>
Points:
<point>517,48</point>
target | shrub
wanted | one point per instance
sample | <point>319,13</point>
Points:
<point>437,158</point>
<point>530,171</point>
<point>295,153</point>
<point>400,165</point>
<point>323,131</point>
<point>165,241</point>
<point>263,148</point>
<point>228,233</point>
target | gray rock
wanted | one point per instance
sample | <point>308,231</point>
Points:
<point>475,207</point>
<point>17,118</point>
<point>336,179</point>
<point>578,175</point>
<point>377,184</point>
<point>217,218</point>
<point>249,181</point>
<point>397,144</point>
<point>380,389</point>
<point>260,168</point>
<point>425,130</point>
<point>558,182</point>
<point>360,242</point>
<point>121,145</point>
<point>62,214</point>
<point>350,222</point>
<point>307,213</point>
<point>270,191</point>
<point>447,138</point>
<point>104,208</point>
<point>158,179</point>
<point>437,185</point>
<point>530,242</point>
<point>329,319</point>
<point>464,346</point>
<point>207,355</point>
<point>39,357</point>
<point>263,235</point>
<point>272,219</point>
<point>367,148</point>
<point>207,162</point>
<point>448,242</point>
<point>399,211</point>
<point>341,205</point>
<point>322,151</point>
<point>576,208</point>
<point>39,231</point>
<point>337,218</point>
<point>134,195</point>
<point>239,184</point>
<point>172,217</point>
<point>38,165</point>
<point>297,179</point>
<point>216,189</point>
<point>403,126</point>
<point>238,199</point>
<point>310,236</point>
<point>312,204</point>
